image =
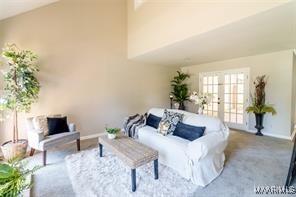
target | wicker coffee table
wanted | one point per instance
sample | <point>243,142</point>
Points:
<point>132,153</point>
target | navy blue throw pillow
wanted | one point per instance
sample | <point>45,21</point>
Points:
<point>153,121</point>
<point>188,132</point>
<point>57,125</point>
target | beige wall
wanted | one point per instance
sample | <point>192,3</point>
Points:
<point>158,23</point>
<point>278,67</point>
<point>85,73</point>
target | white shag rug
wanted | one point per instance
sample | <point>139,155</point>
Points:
<point>91,176</point>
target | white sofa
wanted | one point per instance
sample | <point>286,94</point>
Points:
<point>201,160</point>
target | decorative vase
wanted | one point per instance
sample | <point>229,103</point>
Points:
<point>111,136</point>
<point>182,106</point>
<point>200,111</point>
<point>176,105</point>
<point>259,123</point>
<point>12,150</point>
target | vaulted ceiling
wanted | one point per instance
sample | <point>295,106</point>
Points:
<point>9,8</point>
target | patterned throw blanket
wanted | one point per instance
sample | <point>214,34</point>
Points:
<point>133,123</point>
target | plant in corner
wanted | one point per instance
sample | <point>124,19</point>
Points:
<point>21,89</point>
<point>112,132</point>
<point>14,178</point>
<point>259,107</point>
<point>180,89</point>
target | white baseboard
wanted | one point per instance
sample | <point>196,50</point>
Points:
<point>271,134</point>
<point>86,137</point>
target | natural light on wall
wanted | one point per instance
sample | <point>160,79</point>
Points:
<point>138,3</point>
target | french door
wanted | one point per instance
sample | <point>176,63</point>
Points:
<point>230,91</point>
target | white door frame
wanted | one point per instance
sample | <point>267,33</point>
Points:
<point>221,74</point>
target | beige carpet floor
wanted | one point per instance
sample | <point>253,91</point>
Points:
<point>251,160</point>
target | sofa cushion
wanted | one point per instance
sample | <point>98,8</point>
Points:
<point>57,125</point>
<point>171,118</point>
<point>188,132</point>
<point>153,121</point>
<point>212,124</point>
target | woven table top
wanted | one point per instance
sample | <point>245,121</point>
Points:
<point>130,151</point>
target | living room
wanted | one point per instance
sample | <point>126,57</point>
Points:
<point>101,61</point>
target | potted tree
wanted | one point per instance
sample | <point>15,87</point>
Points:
<point>258,106</point>
<point>21,89</point>
<point>180,90</point>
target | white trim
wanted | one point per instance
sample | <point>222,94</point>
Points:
<point>293,133</point>
<point>86,137</point>
<point>271,134</point>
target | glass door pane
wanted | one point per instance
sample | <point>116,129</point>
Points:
<point>235,94</point>
<point>210,84</point>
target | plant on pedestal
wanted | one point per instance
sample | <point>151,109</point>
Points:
<point>180,89</point>
<point>21,89</point>
<point>258,106</point>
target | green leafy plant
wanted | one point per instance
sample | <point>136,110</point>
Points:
<point>13,178</point>
<point>258,100</point>
<point>21,86</point>
<point>180,88</point>
<point>112,130</point>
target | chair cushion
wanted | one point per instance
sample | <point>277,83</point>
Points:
<point>40,123</point>
<point>188,132</point>
<point>153,121</point>
<point>57,125</point>
<point>58,139</point>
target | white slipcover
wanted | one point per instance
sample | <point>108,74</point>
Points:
<point>201,160</point>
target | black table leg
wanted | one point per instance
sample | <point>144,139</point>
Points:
<point>156,169</point>
<point>133,179</point>
<point>101,150</point>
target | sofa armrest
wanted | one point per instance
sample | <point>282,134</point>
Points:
<point>72,127</point>
<point>35,137</point>
<point>209,144</point>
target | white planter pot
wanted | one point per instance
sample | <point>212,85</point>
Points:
<point>176,105</point>
<point>11,150</point>
<point>111,136</point>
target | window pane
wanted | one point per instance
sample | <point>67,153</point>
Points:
<point>215,114</point>
<point>240,78</point>
<point>233,108</point>
<point>239,119</point>
<point>215,98</point>
<point>233,88</point>
<point>233,78</point>
<point>240,88</point>
<point>240,98</point>
<point>233,118</point>
<point>205,80</point>
<point>205,89</point>
<point>210,80</point>
<point>215,89</point>
<point>227,79</point>
<point>210,89</point>
<point>240,108</point>
<point>227,98</point>
<point>233,98</point>
<point>226,117</point>
<point>215,80</point>
<point>227,88</point>
<point>226,107</point>
<point>210,113</point>
<point>206,107</point>
<point>215,106</point>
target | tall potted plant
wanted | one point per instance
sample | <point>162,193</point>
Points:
<point>258,106</point>
<point>21,89</point>
<point>180,89</point>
